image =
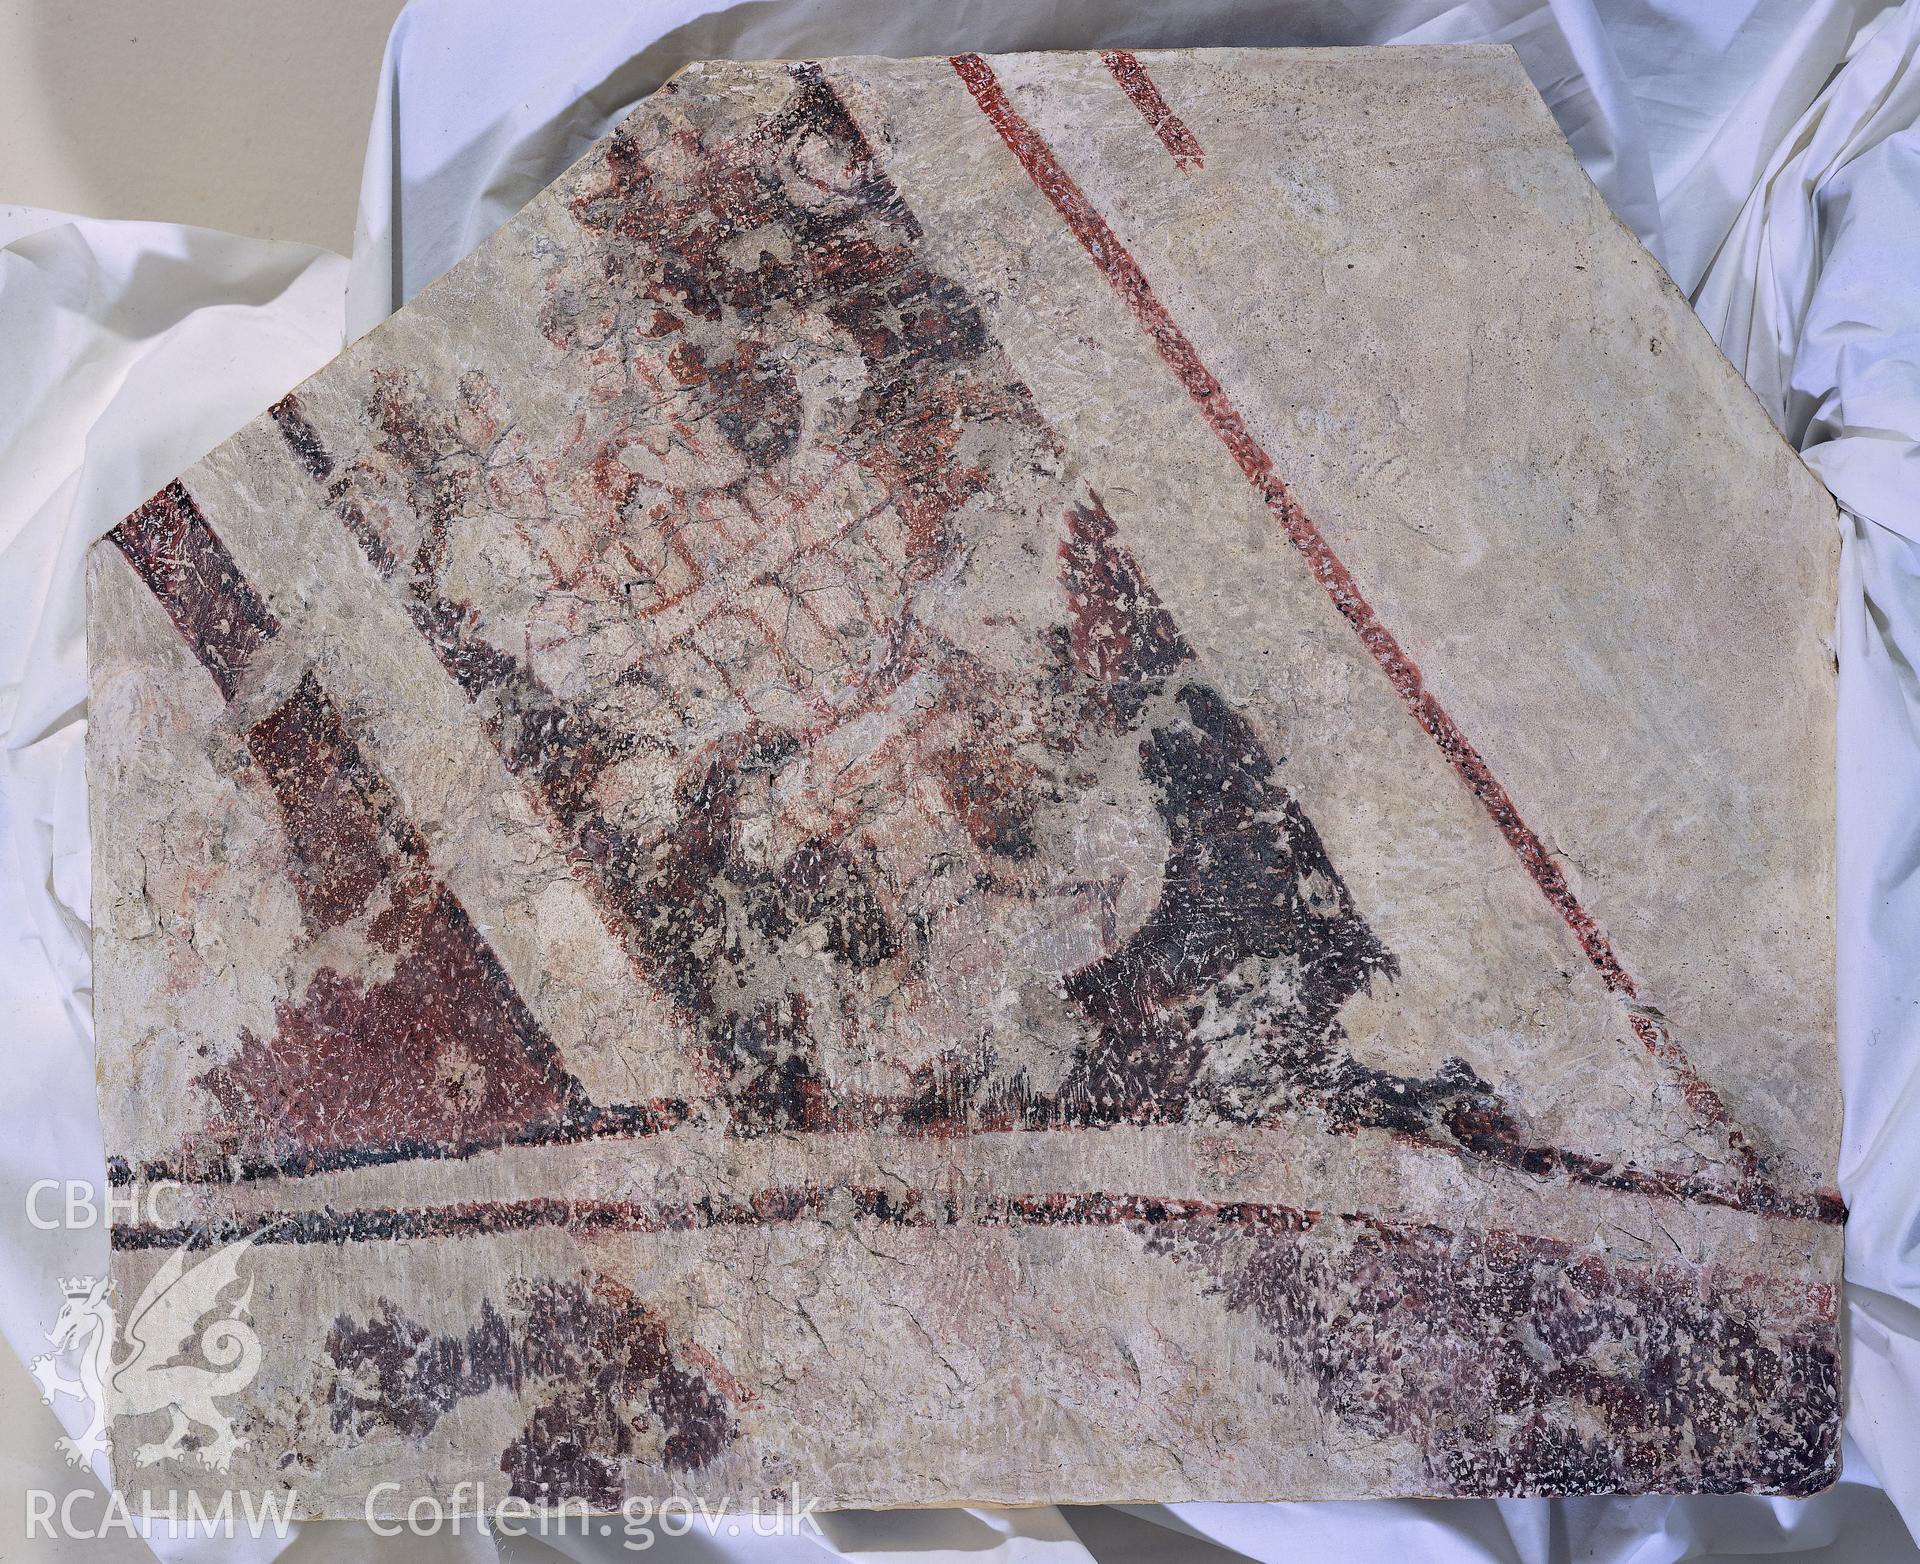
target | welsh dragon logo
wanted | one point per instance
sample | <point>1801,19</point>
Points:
<point>160,1329</point>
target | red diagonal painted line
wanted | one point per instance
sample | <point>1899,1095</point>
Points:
<point>1134,81</point>
<point>1124,274</point>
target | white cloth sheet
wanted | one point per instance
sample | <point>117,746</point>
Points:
<point>1765,150</point>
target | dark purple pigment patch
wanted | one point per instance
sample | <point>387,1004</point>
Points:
<point>1518,1365</point>
<point>300,438</point>
<point>188,569</point>
<point>611,1388</point>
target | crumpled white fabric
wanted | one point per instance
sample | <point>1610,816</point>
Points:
<point>126,351</point>
<point>1765,150</point>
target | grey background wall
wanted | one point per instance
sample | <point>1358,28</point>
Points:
<point>246,115</point>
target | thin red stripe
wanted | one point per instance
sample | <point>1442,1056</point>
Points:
<point>1123,272</point>
<point>1167,125</point>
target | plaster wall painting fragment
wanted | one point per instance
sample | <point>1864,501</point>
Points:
<point>1062,777</point>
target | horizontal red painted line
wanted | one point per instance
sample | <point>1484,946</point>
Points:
<point>618,1121</point>
<point>779,1204</point>
<point>772,1206</point>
